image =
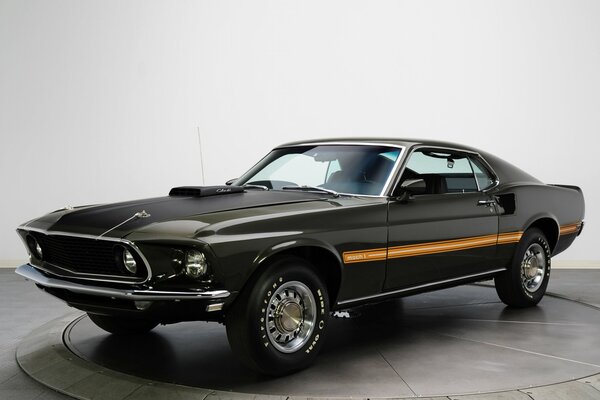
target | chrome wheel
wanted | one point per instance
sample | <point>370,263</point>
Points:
<point>290,316</point>
<point>533,267</point>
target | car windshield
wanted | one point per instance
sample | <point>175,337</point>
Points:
<point>347,169</point>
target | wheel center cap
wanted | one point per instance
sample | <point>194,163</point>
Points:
<point>289,317</point>
<point>531,267</point>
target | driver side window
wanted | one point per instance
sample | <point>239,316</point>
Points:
<point>437,171</point>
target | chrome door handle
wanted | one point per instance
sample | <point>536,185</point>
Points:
<point>487,203</point>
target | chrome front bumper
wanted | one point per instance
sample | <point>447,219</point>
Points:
<point>32,274</point>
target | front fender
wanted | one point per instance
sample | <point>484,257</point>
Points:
<point>290,245</point>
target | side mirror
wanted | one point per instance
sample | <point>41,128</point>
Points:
<point>230,182</point>
<point>411,188</point>
<point>403,196</point>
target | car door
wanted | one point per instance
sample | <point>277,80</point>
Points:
<point>447,228</point>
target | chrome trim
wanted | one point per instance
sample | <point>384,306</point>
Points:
<point>399,162</point>
<point>308,188</point>
<point>29,272</point>
<point>490,169</point>
<point>474,175</point>
<point>96,277</point>
<point>393,292</point>
<point>580,229</point>
<point>336,143</point>
<point>486,203</point>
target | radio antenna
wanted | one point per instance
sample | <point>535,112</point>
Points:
<point>201,158</point>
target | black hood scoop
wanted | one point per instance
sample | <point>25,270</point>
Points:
<point>204,191</point>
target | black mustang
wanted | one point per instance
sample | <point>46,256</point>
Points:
<point>312,228</point>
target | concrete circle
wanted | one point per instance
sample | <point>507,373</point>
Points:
<point>456,341</point>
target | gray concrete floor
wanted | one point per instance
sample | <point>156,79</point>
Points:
<point>23,308</point>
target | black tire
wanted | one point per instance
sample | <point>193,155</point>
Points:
<point>269,312</point>
<point>122,326</point>
<point>518,286</point>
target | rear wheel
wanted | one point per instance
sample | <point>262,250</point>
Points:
<point>122,326</point>
<point>525,282</point>
<point>277,325</point>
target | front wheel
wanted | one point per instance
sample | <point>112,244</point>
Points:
<point>525,282</point>
<point>121,325</point>
<point>277,325</point>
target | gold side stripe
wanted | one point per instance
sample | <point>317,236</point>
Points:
<point>571,228</point>
<point>511,237</point>
<point>451,242</point>
<point>443,246</point>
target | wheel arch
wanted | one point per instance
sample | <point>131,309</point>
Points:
<point>322,256</point>
<point>549,226</point>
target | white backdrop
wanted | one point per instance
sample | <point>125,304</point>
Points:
<point>100,100</point>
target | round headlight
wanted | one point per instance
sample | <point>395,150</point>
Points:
<point>34,247</point>
<point>129,261</point>
<point>196,265</point>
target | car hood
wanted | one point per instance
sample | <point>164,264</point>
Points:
<point>117,220</point>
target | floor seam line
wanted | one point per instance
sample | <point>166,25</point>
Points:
<point>135,390</point>
<point>40,394</point>
<point>526,394</point>
<point>588,384</point>
<point>211,392</point>
<point>399,376</point>
<point>455,305</point>
<point>526,322</point>
<point>11,377</point>
<point>520,350</point>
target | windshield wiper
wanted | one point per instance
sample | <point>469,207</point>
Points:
<point>308,188</point>
<point>251,186</point>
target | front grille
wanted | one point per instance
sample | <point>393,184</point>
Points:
<point>86,256</point>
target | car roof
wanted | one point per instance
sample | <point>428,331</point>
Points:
<point>503,170</point>
<point>408,143</point>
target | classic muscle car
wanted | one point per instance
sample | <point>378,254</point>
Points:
<point>312,228</point>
